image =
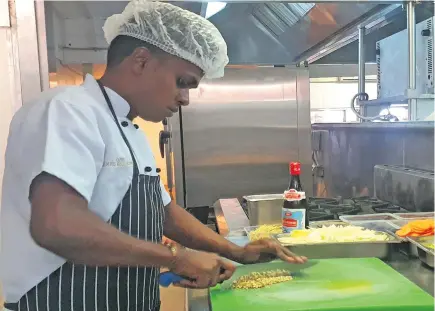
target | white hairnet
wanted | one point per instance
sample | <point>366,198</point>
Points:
<point>174,30</point>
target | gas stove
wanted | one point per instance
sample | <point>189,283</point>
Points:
<point>320,209</point>
<point>333,208</point>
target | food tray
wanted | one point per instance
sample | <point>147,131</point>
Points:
<point>248,231</point>
<point>360,249</point>
<point>368,217</point>
<point>321,223</point>
<point>378,225</point>
<point>399,223</point>
<point>425,254</point>
<point>415,216</point>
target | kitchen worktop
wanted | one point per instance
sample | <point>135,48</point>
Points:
<point>413,269</point>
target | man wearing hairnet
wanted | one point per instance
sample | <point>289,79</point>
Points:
<point>83,207</point>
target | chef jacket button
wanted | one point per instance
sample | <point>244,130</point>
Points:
<point>158,170</point>
<point>148,169</point>
<point>124,123</point>
<point>136,126</point>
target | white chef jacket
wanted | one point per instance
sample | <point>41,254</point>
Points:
<point>70,133</point>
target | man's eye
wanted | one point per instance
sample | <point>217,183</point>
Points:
<point>181,84</point>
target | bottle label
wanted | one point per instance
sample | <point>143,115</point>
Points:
<point>293,219</point>
<point>294,195</point>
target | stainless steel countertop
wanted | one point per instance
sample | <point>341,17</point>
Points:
<point>413,269</point>
<point>416,125</point>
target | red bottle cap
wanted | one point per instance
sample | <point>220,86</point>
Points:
<point>295,168</point>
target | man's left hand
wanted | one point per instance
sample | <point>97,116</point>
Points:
<point>266,250</point>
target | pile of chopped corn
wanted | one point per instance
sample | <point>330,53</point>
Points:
<point>261,279</point>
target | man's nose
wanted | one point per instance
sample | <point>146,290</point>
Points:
<point>183,97</point>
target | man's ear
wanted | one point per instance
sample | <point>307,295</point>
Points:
<point>140,59</point>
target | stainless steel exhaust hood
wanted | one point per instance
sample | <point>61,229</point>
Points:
<point>277,33</point>
<point>277,18</point>
<point>259,33</point>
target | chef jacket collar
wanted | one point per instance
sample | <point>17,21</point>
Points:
<point>120,105</point>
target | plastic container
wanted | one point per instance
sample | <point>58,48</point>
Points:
<point>368,217</point>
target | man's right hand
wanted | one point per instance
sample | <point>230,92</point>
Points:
<point>201,270</point>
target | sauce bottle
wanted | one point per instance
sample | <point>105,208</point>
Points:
<point>295,207</point>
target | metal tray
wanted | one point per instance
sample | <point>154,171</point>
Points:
<point>378,249</point>
<point>415,216</point>
<point>321,223</point>
<point>379,225</point>
<point>426,257</point>
<point>376,225</point>
<point>425,254</point>
<point>368,217</point>
<point>399,223</point>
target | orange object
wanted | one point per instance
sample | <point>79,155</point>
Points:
<point>416,228</point>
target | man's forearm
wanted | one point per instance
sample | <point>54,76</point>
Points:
<point>185,229</point>
<point>93,242</point>
<point>62,223</point>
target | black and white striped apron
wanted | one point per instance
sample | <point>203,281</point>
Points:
<point>84,288</point>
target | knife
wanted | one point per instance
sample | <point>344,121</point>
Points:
<point>167,278</point>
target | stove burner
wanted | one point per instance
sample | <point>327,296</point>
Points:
<point>318,201</point>
<point>376,205</point>
<point>389,209</point>
<point>330,209</point>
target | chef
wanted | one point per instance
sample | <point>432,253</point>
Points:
<point>83,207</point>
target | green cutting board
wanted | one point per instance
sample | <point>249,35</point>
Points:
<point>351,284</point>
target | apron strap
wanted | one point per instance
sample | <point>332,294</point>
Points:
<point>109,103</point>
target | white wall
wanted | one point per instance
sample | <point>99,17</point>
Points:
<point>336,95</point>
<point>21,51</point>
<point>9,90</point>
<point>339,70</point>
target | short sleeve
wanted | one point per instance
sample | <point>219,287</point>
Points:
<point>165,195</point>
<point>67,144</point>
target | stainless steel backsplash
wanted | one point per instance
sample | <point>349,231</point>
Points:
<point>346,155</point>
